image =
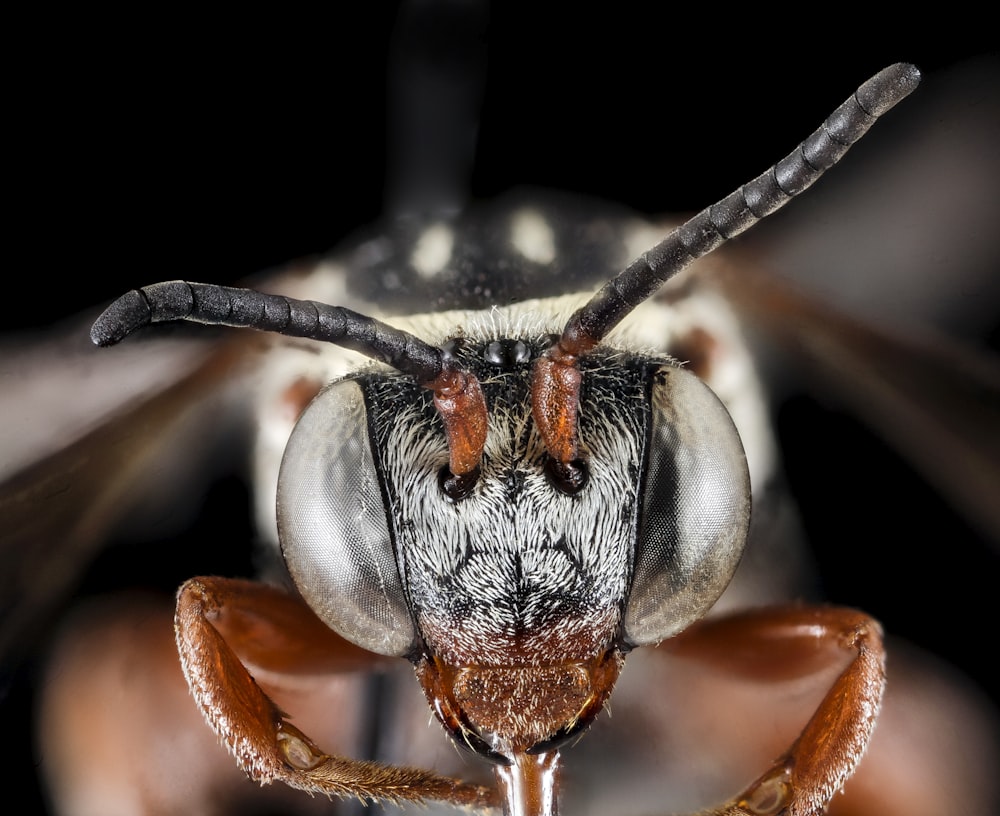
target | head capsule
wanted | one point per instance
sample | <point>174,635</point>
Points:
<point>518,585</point>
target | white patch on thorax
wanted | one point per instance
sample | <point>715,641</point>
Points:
<point>433,250</point>
<point>531,235</point>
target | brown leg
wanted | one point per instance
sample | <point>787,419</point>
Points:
<point>279,633</point>
<point>118,733</point>
<point>781,643</point>
<point>936,748</point>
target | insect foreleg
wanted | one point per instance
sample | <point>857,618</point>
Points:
<point>777,644</point>
<point>210,611</point>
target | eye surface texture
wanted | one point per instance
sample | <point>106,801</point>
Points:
<point>333,527</point>
<point>695,509</point>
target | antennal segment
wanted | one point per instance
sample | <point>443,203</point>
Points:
<point>457,394</point>
<point>555,389</point>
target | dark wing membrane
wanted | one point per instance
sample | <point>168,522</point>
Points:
<point>94,440</point>
<point>891,451</point>
<point>908,240</point>
<point>935,400</point>
<point>908,233</point>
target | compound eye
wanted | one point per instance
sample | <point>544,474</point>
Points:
<point>333,525</point>
<point>695,510</point>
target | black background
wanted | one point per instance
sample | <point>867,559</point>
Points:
<point>155,147</point>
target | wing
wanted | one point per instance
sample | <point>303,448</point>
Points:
<point>104,448</point>
<point>885,322</point>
